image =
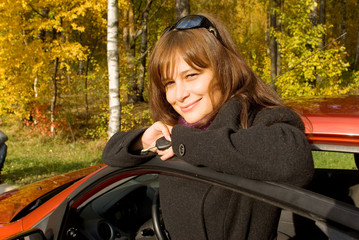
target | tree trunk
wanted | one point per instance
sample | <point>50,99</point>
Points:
<point>273,45</point>
<point>356,61</point>
<point>42,36</point>
<point>314,19</point>
<point>83,71</point>
<point>129,35</point>
<point>344,23</point>
<point>322,18</point>
<point>45,15</point>
<point>113,68</point>
<point>54,97</point>
<point>86,90</point>
<point>141,79</point>
<point>36,95</point>
<point>182,8</point>
<point>314,13</point>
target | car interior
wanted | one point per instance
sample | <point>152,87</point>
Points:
<point>339,184</point>
<point>125,209</point>
<point>121,211</point>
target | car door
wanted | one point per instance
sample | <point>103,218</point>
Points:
<point>117,204</point>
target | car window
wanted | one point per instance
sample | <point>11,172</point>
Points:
<point>336,176</point>
<point>334,160</point>
<point>120,209</point>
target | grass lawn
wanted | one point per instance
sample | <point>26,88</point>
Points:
<point>31,157</point>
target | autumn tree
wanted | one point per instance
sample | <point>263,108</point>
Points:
<point>302,60</point>
<point>113,68</point>
<point>42,56</point>
<point>182,8</point>
<point>247,22</point>
<point>53,54</point>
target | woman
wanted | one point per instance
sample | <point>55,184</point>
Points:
<point>218,114</point>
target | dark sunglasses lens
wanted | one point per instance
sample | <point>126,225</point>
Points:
<point>189,22</point>
<point>194,21</point>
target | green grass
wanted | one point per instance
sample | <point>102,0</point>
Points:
<point>32,158</point>
<point>334,160</point>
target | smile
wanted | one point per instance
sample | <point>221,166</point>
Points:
<point>190,106</point>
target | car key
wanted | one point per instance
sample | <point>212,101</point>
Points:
<point>161,144</point>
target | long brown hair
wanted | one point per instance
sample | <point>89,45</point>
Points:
<point>201,49</point>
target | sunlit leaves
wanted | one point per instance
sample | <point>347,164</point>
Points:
<point>32,35</point>
<point>307,69</point>
<point>246,20</point>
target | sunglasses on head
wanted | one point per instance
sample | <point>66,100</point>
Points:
<point>194,21</point>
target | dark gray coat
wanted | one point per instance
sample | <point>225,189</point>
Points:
<point>272,148</point>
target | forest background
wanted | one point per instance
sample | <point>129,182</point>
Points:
<point>54,73</point>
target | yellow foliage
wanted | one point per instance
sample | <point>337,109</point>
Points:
<point>35,33</point>
<point>247,22</point>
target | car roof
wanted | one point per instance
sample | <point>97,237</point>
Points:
<point>332,123</point>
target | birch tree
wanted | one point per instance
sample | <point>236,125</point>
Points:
<point>113,68</point>
<point>182,8</point>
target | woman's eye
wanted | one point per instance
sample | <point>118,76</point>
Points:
<point>168,83</point>
<point>192,75</point>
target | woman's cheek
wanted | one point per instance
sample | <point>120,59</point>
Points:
<point>170,96</point>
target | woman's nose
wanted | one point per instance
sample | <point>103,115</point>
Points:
<point>181,91</point>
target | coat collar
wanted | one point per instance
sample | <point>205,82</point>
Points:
<point>228,116</point>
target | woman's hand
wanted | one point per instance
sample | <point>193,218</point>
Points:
<point>156,131</point>
<point>166,154</point>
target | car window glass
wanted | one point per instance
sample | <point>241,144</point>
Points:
<point>334,160</point>
<point>336,176</point>
<point>121,209</point>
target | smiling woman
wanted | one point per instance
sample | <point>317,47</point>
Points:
<point>217,113</point>
<point>189,89</point>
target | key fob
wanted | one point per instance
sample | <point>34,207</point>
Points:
<point>162,143</point>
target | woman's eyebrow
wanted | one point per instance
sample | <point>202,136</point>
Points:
<point>190,69</point>
<point>182,73</point>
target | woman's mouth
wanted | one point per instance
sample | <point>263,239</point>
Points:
<point>190,106</point>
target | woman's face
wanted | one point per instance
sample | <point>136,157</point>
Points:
<point>188,92</point>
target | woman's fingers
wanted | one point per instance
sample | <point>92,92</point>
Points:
<point>168,137</point>
<point>152,134</point>
<point>157,130</point>
<point>164,129</point>
<point>166,154</point>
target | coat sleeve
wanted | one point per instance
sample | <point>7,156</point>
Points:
<point>274,148</point>
<point>117,151</point>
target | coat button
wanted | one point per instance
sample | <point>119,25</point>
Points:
<point>181,149</point>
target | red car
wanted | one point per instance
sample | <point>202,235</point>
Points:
<point>112,203</point>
